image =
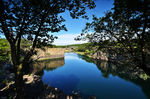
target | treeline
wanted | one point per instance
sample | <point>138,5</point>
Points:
<point>72,45</point>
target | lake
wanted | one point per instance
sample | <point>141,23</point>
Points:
<point>104,80</point>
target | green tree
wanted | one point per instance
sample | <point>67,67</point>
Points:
<point>4,51</point>
<point>136,14</point>
<point>127,25</point>
<point>34,20</point>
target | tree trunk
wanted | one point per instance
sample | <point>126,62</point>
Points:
<point>18,72</point>
<point>19,82</point>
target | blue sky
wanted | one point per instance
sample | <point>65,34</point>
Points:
<point>75,26</point>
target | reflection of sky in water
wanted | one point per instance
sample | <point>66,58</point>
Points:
<point>86,78</point>
<point>72,57</point>
<point>60,81</point>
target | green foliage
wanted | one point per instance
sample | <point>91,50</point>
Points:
<point>144,76</point>
<point>33,22</point>
<point>10,97</point>
<point>4,50</point>
<point>25,44</point>
<point>125,29</point>
<point>75,45</point>
<point>83,47</point>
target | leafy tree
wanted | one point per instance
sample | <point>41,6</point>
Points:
<point>4,51</point>
<point>136,14</point>
<point>127,25</point>
<point>34,20</point>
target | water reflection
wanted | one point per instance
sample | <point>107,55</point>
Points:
<point>102,79</point>
<point>38,67</point>
<point>66,83</point>
<point>126,72</point>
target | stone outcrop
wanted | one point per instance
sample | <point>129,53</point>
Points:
<point>49,53</point>
<point>100,56</point>
<point>33,86</point>
<point>34,89</point>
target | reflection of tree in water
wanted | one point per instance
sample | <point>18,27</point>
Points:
<point>124,71</point>
<point>39,66</point>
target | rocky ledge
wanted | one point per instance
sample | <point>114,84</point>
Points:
<point>33,89</point>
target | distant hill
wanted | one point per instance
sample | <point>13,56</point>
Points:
<point>72,45</point>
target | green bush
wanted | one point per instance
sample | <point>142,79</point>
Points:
<point>4,50</point>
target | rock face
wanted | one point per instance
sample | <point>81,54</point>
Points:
<point>100,55</point>
<point>109,54</point>
<point>33,86</point>
<point>34,89</point>
<point>49,53</point>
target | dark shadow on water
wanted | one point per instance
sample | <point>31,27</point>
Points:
<point>124,71</point>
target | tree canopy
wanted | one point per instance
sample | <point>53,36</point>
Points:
<point>127,24</point>
<point>35,20</point>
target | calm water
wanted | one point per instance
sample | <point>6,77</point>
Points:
<point>100,79</point>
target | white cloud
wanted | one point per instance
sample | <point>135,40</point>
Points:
<point>67,39</point>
